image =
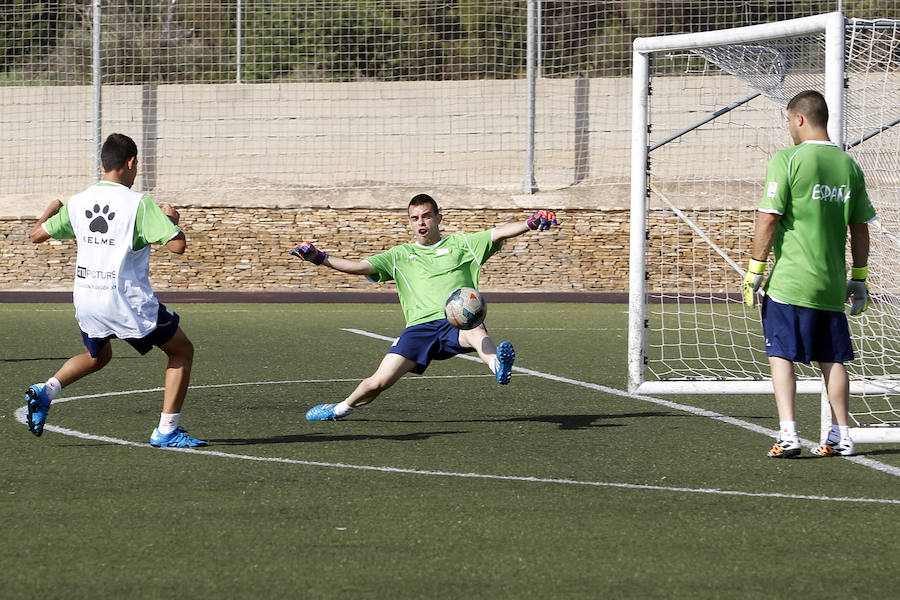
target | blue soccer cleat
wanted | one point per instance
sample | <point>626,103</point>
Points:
<point>506,356</point>
<point>177,439</point>
<point>38,407</point>
<point>322,412</point>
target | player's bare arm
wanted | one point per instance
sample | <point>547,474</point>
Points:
<point>763,234</point>
<point>308,252</point>
<point>857,289</point>
<point>859,244</point>
<point>540,220</point>
<point>177,244</point>
<point>171,212</point>
<point>38,234</point>
<point>354,267</point>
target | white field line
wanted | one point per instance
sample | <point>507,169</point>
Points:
<point>20,417</point>
<point>558,329</point>
<point>700,412</point>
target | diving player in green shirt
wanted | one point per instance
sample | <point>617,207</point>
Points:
<point>814,192</point>
<point>426,271</point>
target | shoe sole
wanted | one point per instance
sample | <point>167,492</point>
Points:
<point>201,445</point>
<point>784,453</point>
<point>505,354</point>
<point>830,451</point>
<point>33,408</point>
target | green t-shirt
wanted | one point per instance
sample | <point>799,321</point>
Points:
<point>426,275</point>
<point>151,225</point>
<point>818,190</point>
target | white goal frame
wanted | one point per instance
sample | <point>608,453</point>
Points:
<point>833,27</point>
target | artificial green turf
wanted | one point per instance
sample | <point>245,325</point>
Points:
<point>91,519</point>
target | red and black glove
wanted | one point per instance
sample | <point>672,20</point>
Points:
<point>541,220</point>
<point>306,251</point>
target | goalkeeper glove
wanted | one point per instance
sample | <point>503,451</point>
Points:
<point>752,280</point>
<point>858,290</point>
<point>541,220</point>
<point>308,252</point>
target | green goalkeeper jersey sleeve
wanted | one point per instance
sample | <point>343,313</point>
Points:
<point>426,275</point>
<point>818,190</point>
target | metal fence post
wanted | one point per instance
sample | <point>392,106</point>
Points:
<point>530,185</point>
<point>97,74</point>
<point>239,20</point>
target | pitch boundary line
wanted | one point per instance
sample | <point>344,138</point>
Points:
<point>20,417</point>
<point>694,410</point>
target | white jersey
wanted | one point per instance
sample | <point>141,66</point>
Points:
<point>112,292</point>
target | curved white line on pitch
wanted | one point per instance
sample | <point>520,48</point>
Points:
<point>20,417</point>
<point>700,412</point>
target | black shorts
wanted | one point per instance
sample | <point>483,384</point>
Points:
<point>801,334</point>
<point>166,326</point>
<point>434,340</point>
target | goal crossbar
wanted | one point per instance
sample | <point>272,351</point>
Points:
<point>739,35</point>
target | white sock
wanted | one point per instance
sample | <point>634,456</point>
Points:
<point>843,432</point>
<point>342,409</point>
<point>494,365</point>
<point>168,423</point>
<point>52,387</point>
<point>788,430</point>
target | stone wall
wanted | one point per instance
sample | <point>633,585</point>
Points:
<point>245,248</point>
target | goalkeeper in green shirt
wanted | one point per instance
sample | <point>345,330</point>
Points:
<point>426,271</point>
<point>814,193</point>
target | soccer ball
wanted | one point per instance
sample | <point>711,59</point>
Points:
<point>465,308</point>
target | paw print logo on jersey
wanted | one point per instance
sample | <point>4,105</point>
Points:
<point>101,218</point>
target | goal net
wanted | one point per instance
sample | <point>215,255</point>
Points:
<point>708,114</point>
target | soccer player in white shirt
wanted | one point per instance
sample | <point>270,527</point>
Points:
<point>114,227</point>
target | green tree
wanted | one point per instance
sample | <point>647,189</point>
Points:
<point>27,28</point>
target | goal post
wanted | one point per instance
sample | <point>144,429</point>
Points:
<point>707,114</point>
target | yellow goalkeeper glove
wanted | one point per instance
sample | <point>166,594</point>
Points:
<point>752,280</point>
<point>858,290</point>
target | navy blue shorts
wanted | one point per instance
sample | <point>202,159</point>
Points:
<point>425,342</point>
<point>166,326</point>
<point>802,334</point>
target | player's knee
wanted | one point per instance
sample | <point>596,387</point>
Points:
<point>376,385</point>
<point>180,350</point>
<point>185,355</point>
<point>103,357</point>
<point>188,351</point>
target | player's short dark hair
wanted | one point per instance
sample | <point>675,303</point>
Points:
<point>420,199</point>
<point>811,104</point>
<point>116,151</point>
